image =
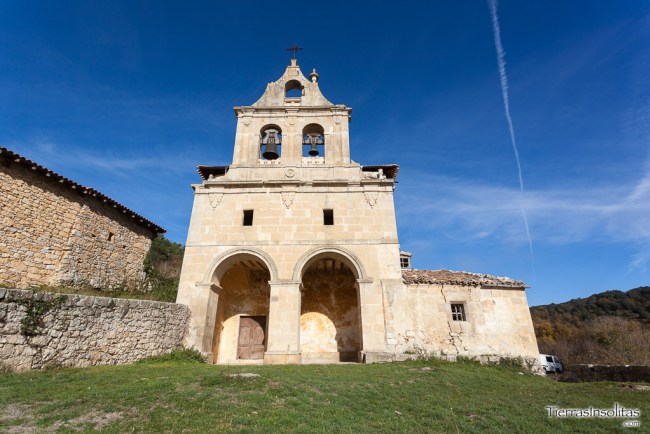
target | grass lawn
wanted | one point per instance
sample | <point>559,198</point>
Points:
<point>174,394</point>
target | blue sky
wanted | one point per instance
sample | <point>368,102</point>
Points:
<point>128,97</point>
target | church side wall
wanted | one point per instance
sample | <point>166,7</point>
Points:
<point>84,331</point>
<point>498,322</point>
<point>50,234</point>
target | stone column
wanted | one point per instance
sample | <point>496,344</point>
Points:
<point>283,328</point>
<point>344,137</point>
<point>330,149</point>
<point>204,306</point>
<point>373,327</point>
<point>291,140</point>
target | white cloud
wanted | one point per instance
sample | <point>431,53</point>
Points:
<point>471,210</point>
<point>132,163</point>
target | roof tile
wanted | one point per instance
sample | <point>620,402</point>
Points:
<point>462,278</point>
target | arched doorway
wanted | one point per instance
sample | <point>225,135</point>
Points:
<point>241,322</point>
<point>330,326</point>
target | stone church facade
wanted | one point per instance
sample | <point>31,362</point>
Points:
<point>54,231</point>
<point>292,254</point>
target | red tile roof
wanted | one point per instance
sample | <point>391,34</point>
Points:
<point>14,158</point>
<point>462,278</point>
<point>214,171</point>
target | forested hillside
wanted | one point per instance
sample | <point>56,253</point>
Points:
<point>633,304</point>
<point>611,327</point>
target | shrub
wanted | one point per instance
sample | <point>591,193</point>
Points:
<point>181,355</point>
<point>162,266</point>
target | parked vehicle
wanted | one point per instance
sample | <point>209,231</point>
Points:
<point>550,363</point>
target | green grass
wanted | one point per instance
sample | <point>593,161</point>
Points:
<point>176,393</point>
<point>157,294</point>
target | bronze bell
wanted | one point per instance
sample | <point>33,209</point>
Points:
<point>313,140</point>
<point>270,140</point>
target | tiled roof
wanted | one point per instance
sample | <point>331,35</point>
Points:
<point>14,158</point>
<point>462,278</point>
<point>207,171</point>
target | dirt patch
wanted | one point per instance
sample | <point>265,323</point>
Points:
<point>636,387</point>
<point>15,411</point>
<point>97,419</point>
<point>20,429</point>
<point>18,412</point>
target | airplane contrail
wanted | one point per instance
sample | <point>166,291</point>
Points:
<point>506,103</point>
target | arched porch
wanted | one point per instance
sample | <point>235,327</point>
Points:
<point>238,306</point>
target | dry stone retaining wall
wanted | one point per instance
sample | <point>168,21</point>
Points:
<point>607,373</point>
<point>83,331</point>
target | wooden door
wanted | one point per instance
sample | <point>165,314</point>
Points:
<point>252,337</point>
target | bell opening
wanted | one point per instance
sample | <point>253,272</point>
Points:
<point>313,140</point>
<point>270,142</point>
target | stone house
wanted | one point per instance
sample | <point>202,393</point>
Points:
<point>54,231</point>
<point>292,253</point>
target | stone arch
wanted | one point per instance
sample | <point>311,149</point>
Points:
<point>221,263</point>
<point>270,126</point>
<point>313,128</point>
<point>347,257</point>
<point>330,308</point>
<point>294,89</point>
<point>238,304</point>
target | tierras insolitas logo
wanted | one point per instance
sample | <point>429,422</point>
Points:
<point>615,412</point>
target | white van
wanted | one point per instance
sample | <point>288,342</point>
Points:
<point>550,363</point>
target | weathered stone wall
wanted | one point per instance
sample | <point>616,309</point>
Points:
<point>51,234</point>
<point>329,320</point>
<point>498,322</point>
<point>84,331</point>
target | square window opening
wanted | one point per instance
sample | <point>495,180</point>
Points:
<point>458,312</point>
<point>328,217</point>
<point>248,217</point>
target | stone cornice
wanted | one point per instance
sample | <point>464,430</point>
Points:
<point>363,184</point>
<point>252,111</point>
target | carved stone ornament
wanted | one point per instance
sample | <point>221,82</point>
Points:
<point>246,120</point>
<point>290,172</point>
<point>371,197</point>
<point>288,198</point>
<point>215,199</point>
